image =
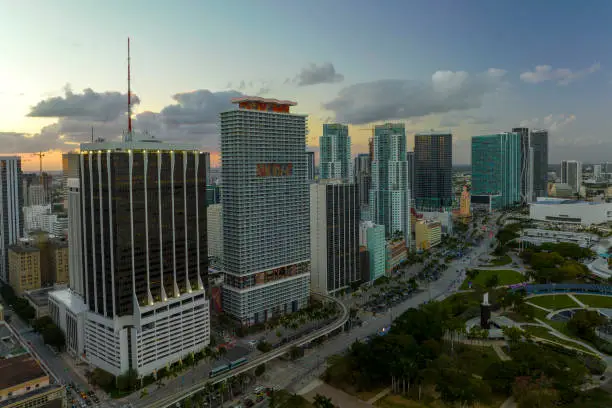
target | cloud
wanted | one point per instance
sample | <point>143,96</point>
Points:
<point>563,76</point>
<point>318,74</point>
<point>394,99</point>
<point>89,105</point>
<point>551,122</point>
<point>192,118</point>
<point>452,120</point>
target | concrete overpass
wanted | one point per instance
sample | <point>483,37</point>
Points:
<point>177,397</point>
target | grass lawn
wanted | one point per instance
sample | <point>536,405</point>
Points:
<point>553,302</point>
<point>501,261</point>
<point>366,395</point>
<point>506,277</point>
<point>543,333</point>
<point>596,300</point>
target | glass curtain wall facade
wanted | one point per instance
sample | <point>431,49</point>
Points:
<point>433,164</point>
<point>388,201</point>
<point>538,143</point>
<point>335,152</point>
<point>525,171</point>
<point>496,168</point>
<point>11,209</point>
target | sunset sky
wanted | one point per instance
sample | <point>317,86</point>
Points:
<point>474,67</point>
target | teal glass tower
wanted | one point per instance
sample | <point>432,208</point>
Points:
<point>335,153</point>
<point>496,169</point>
<point>389,190</point>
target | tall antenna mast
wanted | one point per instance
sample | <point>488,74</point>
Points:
<point>129,135</point>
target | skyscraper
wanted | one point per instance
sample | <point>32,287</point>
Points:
<point>433,164</point>
<point>11,205</point>
<point>525,171</point>
<point>363,177</point>
<point>571,174</point>
<point>388,200</point>
<point>334,236</point>
<point>145,260</point>
<point>70,169</point>
<point>496,170</point>
<point>335,150</point>
<point>75,237</point>
<point>310,163</point>
<point>266,240</point>
<point>538,143</point>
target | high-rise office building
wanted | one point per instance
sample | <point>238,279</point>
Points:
<point>433,165</point>
<point>11,204</point>
<point>70,169</point>
<point>496,170</point>
<point>145,262</point>
<point>75,237</point>
<point>215,234</point>
<point>334,236</point>
<point>310,166</point>
<point>524,133</point>
<point>266,240</point>
<point>571,174</point>
<point>597,172</point>
<point>363,177</point>
<point>335,152</point>
<point>388,199</point>
<point>538,144</point>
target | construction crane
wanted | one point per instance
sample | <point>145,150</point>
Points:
<point>40,160</point>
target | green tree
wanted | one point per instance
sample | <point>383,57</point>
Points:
<point>264,346</point>
<point>321,401</point>
<point>260,369</point>
<point>513,334</point>
<point>127,381</point>
<point>493,281</point>
<point>54,336</point>
<point>584,322</point>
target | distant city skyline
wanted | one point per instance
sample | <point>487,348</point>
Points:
<point>465,80</point>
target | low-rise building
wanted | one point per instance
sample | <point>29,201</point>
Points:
<point>428,234</point>
<point>396,254</point>
<point>571,211</point>
<point>23,382</point>
<point>69,312</point>
<point>24,268</point>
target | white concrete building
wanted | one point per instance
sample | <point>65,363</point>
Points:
<point>75,247</point>
<point>69,313</point>
<point>571,174</point>
<point>214,220</point>
<point>570,211</point>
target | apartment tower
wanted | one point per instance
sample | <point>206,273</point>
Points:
<point>266,242</point>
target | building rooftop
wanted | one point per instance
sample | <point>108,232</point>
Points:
<point>23,248</point>
<point>434,133</point>
<point>135,144</point>
<point>40,297</point>
<point>71,300</point>
<point>18,370</point>
<point>556,201</point>
<point>263,100</point>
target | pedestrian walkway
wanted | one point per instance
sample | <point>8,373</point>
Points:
<point>500,353</point>
<point>575,299</point>
<point>539,307</point>
<point>380,395</point>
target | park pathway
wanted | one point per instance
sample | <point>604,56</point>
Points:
<point>575,299</point>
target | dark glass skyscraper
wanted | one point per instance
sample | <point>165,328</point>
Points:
<point>524,133</point>
<point>433,184</point>
<point>363,177</point>
<point>11,205</point>
<point>538,143</point>
<point>145,257</point>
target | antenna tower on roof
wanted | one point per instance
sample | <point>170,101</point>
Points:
<point>128,136</point>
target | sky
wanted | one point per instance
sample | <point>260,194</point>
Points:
<point>472,67</point>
